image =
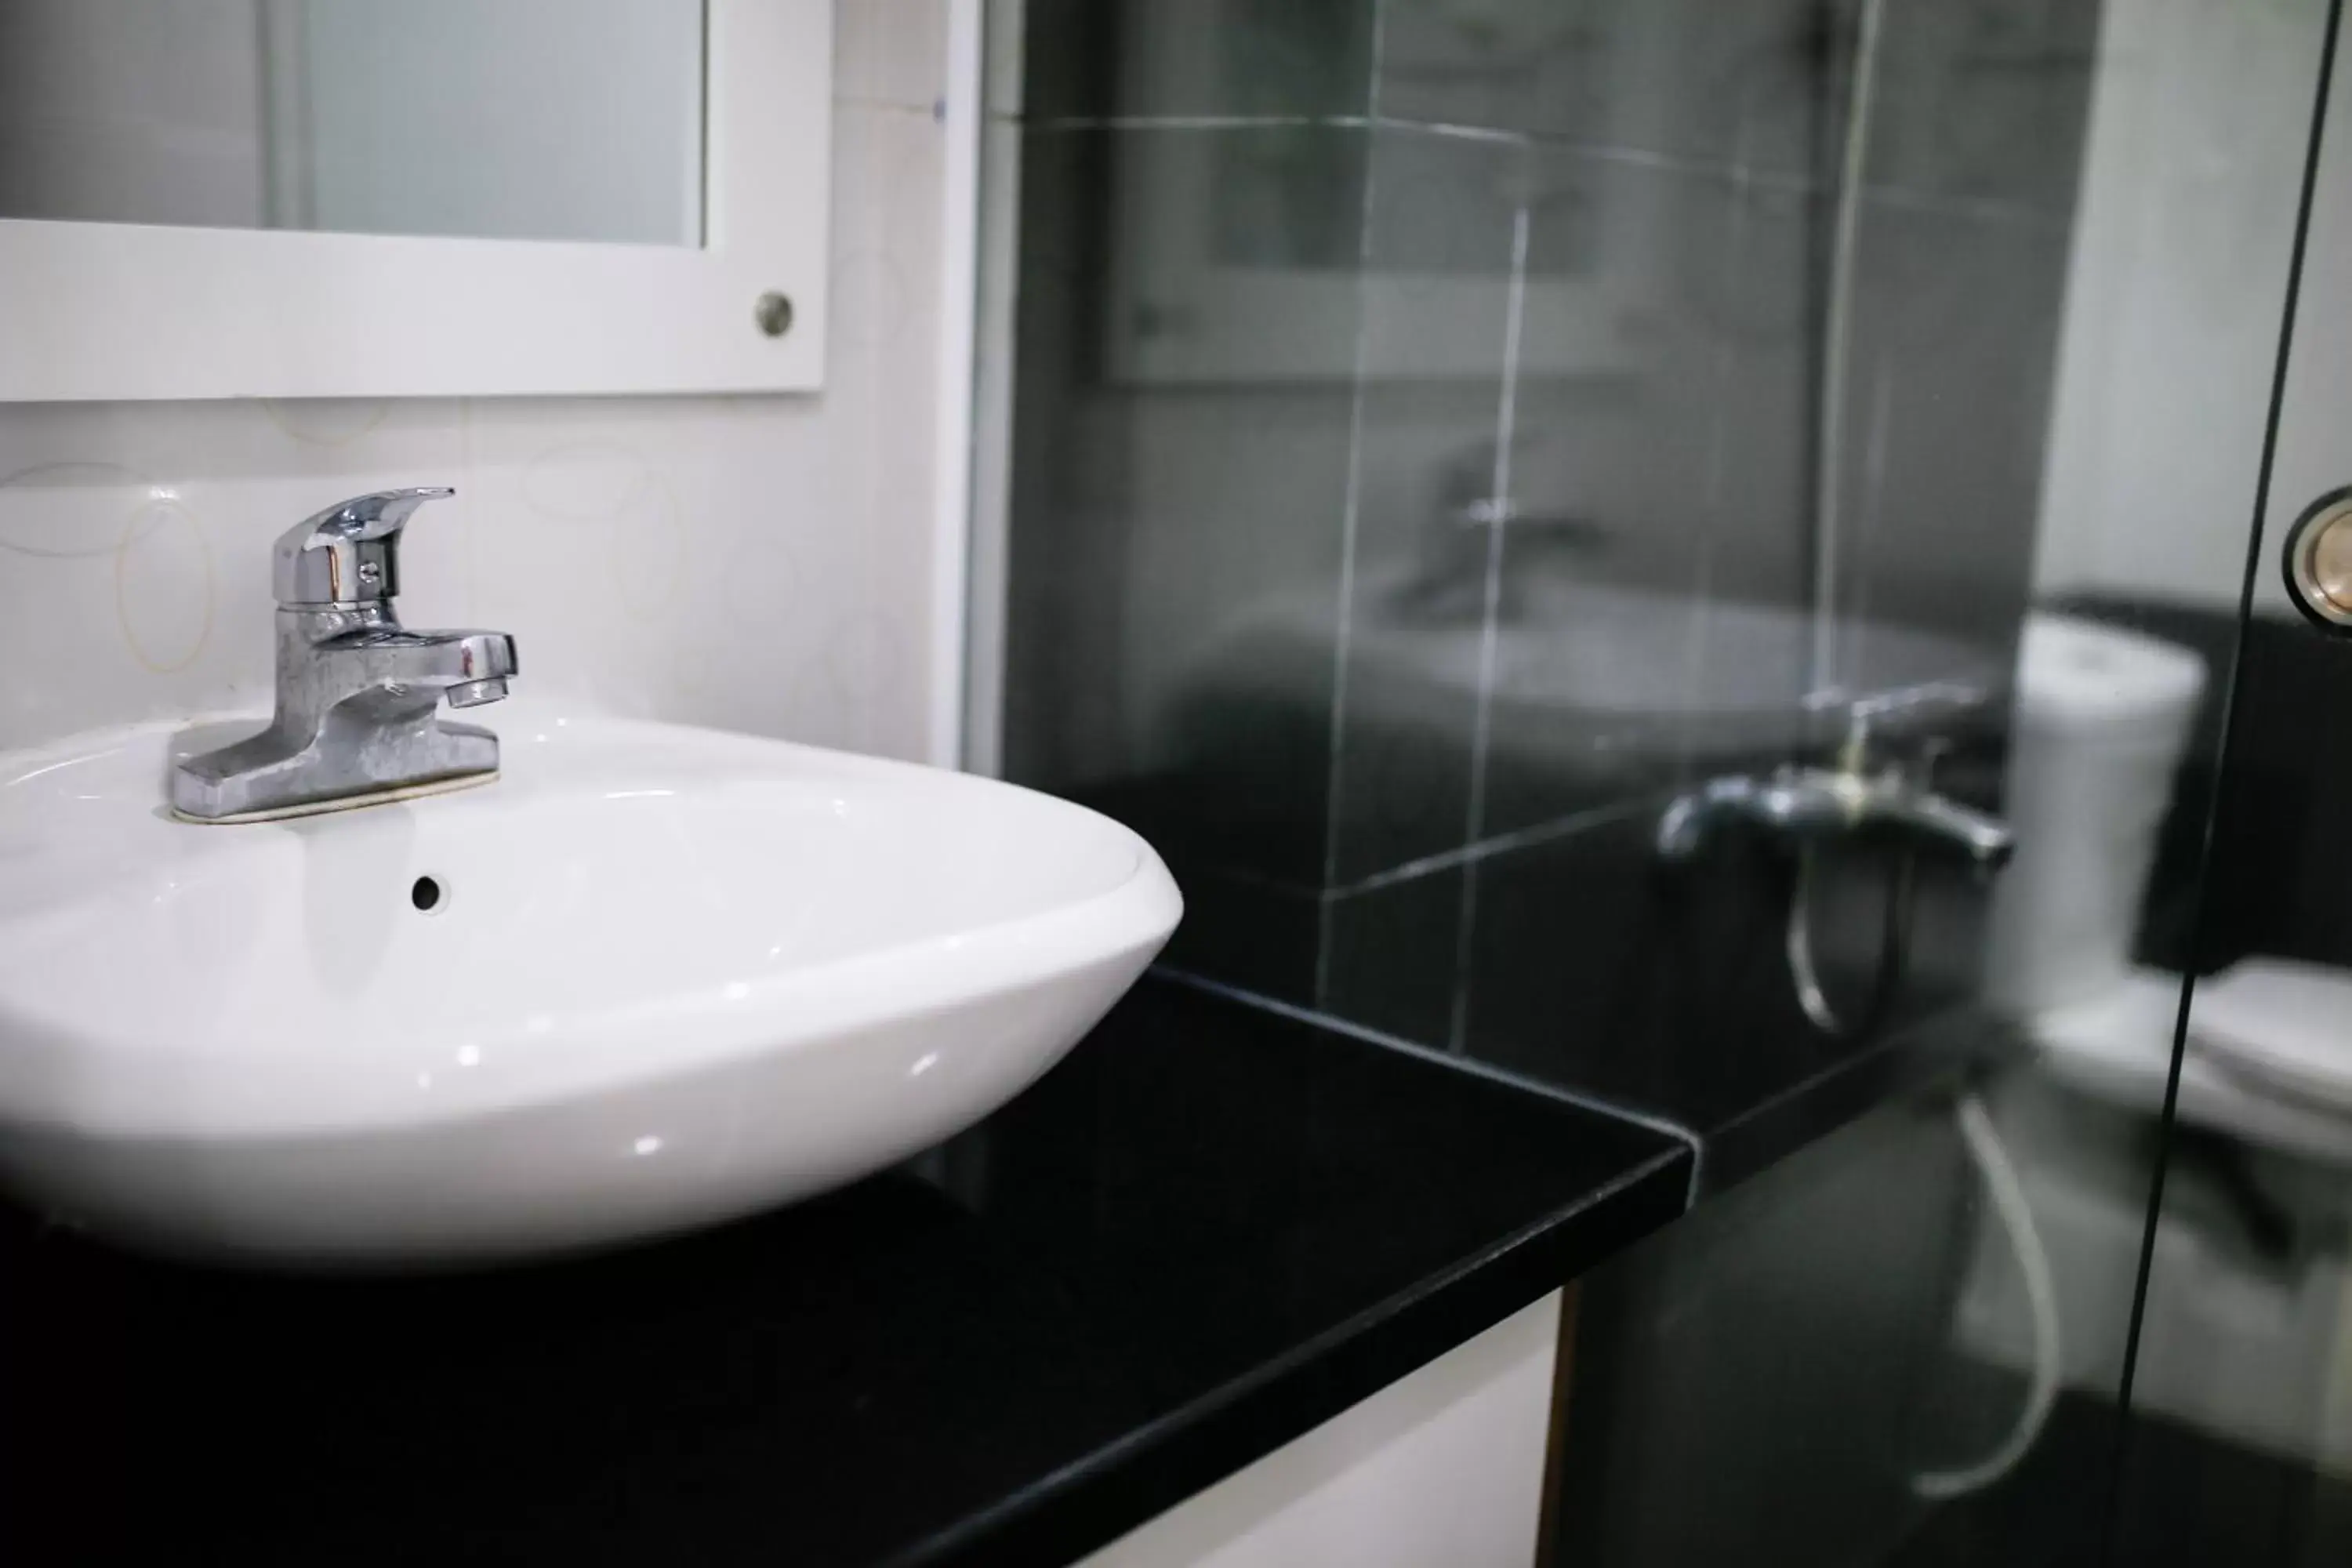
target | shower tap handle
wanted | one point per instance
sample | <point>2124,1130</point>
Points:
<point>1855,796</point>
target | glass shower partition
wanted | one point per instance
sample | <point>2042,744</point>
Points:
<point>2239,1449</point>
<point>1444,438</point>
<point>2037,288</point>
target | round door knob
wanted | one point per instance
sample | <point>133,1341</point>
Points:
<point>2319,562</point>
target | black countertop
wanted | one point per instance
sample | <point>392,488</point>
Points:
<point>1207,1230</point>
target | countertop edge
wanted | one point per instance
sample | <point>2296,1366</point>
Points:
<point>1092,1502</point>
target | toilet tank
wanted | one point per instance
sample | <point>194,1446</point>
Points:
<point>2102,715</point>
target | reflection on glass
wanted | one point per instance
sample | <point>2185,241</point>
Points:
<point>2241,1442</point>
<point>2238,1389</point>
<point>574,120</point>
<point>1852,352</point>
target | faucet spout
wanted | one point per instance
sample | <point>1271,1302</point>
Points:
<point>385,657</point>
<point>1984,841</point>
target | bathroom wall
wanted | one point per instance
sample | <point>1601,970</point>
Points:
<point>2200,118</point>
<point>761,562</point>
<point>1309,296</point>
<point>2199,123</point>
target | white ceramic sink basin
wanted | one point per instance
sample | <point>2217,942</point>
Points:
<point>1582,673</point>
<point>672,976</point>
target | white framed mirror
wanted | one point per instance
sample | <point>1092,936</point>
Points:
<point>320,198</point>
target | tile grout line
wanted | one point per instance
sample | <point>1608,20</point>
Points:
<point>1908,197</point>
<point>926,111</point>
<point>1500,844</point>
<point>1599,1104</point>
<point>1850,632</point>
<point>1490,630</point>
<point>1349,508</point>
<point>1848,196</point>
<point>1202,122</point>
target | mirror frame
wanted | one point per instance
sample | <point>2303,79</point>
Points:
<point>113,312</point>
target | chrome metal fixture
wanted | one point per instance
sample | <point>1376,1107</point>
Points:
<point>1461,537</point>
<point>1807,805</point>
<point>359,695</point>
<point>2319,562</point>
<point>1851,798</point>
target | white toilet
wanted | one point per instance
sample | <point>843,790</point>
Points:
<point>2233,1347</point>
<point>2102,715</point>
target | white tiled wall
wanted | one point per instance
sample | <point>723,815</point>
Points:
<point>755,563</point>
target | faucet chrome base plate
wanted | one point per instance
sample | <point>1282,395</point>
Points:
<point>347,803</point>
<point>354,757</point>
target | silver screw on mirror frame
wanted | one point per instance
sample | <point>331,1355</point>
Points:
<point>774,313</point>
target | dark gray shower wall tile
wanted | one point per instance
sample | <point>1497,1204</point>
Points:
<point>1987,101</point>
<point>1175,538</point>
<point>1663,436</point>
<point>1752,82</point>
<point>1244,931</point>
<point>1770,315</point>
<point>1954,347</point>
<point>1525,66</point>
<point>1414,659</point>
<point>1594,967</point>
<point>1700,457</point>
<point>1389,954</point>
<point>1439,249</point>
<point>1150,58</point>
<point>1057,717</point>
<point>1231,505</point>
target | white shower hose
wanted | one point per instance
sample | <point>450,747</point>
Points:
<point>1991,1157</point>
<point>2009,1204</point>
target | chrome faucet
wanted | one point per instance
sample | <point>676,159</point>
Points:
<point>1851,798</point>
<point>359,695</point>
<point>1450,565</point>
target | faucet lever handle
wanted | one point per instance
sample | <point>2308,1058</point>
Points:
<point>349,554</point>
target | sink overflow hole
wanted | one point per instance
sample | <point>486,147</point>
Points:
<point>425,894</point>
